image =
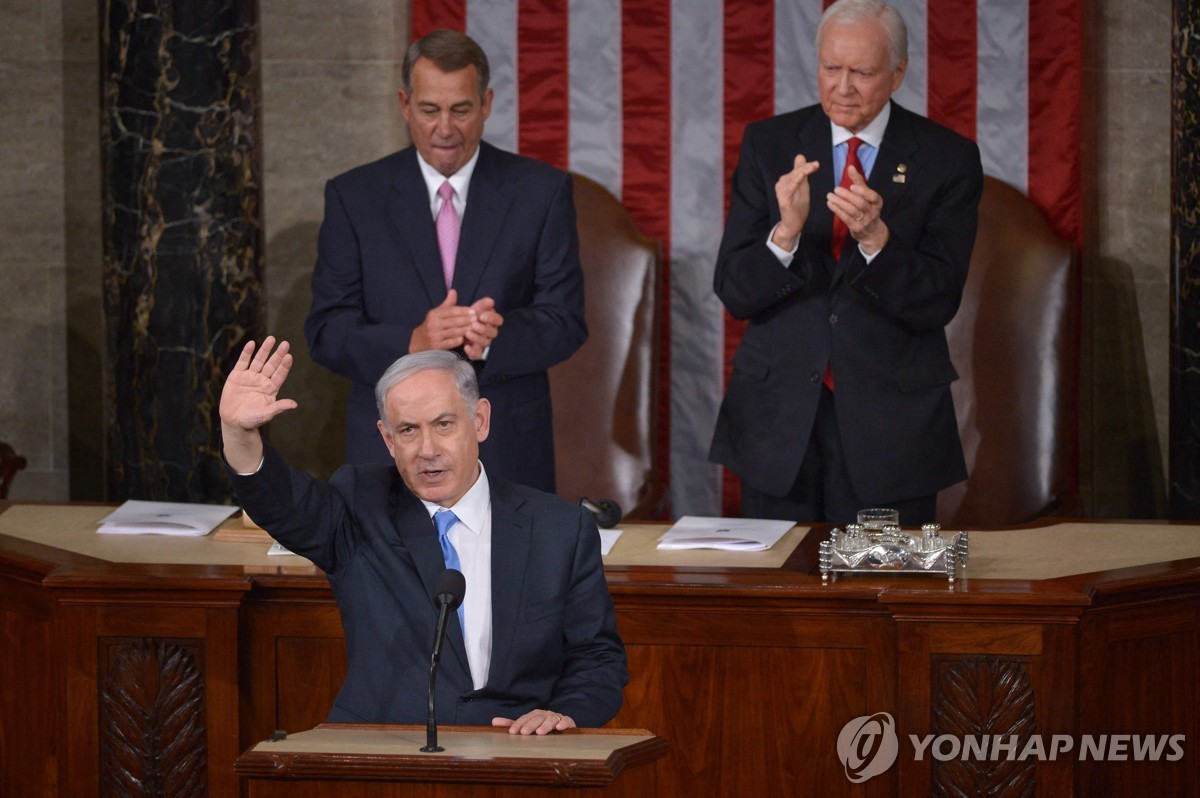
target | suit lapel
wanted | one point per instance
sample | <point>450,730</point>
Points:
<point>408,208</point>
<point>419,536</point>
<point>816,144</point>
<point>487,207</point>
<point>511,531</point>
<point>894,163</point>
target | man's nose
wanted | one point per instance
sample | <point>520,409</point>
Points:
<point>427,447</point>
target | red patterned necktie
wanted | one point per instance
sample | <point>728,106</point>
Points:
<point>840,231</point>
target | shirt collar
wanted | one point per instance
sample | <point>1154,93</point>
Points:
<point>872,134</point>
<point>460,180</point>
<point>473,507</point>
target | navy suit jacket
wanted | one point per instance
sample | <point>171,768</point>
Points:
<point>554,637</point>
<point>379,272</point>
<point>881,325</point>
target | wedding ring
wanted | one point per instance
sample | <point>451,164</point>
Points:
<point>860,217</point>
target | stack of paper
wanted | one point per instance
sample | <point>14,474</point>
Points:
<point>727,534</point>
<point>164,518</point>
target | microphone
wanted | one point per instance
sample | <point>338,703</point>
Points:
<point>448,591</point>
<point>607,512</point>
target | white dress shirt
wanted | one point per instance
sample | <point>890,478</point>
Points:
<point>460,181</point>
<point>472,538</point>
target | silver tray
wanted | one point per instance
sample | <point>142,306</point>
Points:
<point>859,550</point>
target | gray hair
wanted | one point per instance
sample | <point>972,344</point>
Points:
<point>435,360</point>
<point>449,51</point>
<point>852,12</point>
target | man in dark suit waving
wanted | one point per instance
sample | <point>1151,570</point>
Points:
<point>534,646</point>
<point>849,233</point>
<point>451,244</point>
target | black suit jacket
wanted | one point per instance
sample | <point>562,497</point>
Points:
<point>379,272</point>
<point>882,325</point>
<point>554,638</point>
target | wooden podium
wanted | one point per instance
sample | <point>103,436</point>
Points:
<point>361,761</point>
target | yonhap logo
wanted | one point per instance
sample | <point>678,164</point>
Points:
<point>868,746</point>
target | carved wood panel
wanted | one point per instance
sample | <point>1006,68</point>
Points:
<point>152,721</point>
<point>978,696</point>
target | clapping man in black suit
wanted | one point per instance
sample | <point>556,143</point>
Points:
<point>849,233</point>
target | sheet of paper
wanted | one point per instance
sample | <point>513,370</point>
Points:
<point>136,517</point>
<point>726,534</point>
<point>277,548</point>
<point>608,539</point>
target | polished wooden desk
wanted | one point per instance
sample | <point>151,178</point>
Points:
<point>377,761</point>
<point>141,665</point>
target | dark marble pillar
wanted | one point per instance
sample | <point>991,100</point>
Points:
<point>183,236</point>
<point>1185,261</point>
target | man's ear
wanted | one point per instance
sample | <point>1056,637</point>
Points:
<point>387,438</point>
<point>898,75</point>
<point>483,419</point>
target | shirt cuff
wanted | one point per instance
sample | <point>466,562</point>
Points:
<point>255,471</point>
<point>785,256</point>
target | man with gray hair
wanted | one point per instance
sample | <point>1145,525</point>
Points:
<point>534,646</point>
<point>451,244</point>
<point>839,397</point>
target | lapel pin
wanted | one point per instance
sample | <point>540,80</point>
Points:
<point>900,175</point>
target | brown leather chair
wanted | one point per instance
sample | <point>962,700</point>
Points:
<point>606,394</point>
<point>10,464</point>
<point>1015,344</point>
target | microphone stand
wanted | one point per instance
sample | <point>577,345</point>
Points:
<point>431,742</point>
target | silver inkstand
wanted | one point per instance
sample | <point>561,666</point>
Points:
<point>888,548</point>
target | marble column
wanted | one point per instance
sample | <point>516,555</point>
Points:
<point>1185,262</point>
<point>183,235</point>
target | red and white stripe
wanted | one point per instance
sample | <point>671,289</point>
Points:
<point>650,97</point>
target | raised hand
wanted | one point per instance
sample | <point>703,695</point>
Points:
<point>250,399</point>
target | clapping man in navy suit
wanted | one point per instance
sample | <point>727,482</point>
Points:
<point>451,244</point>
<point>846,247</point>
<point>534,646</point>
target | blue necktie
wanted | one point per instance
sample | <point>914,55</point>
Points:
<point>444,520</point>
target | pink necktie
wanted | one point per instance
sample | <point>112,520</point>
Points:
<point>447,231</point>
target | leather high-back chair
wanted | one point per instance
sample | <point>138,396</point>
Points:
<point>1015,345</point>
<point>10,464</point>
<point>606,395</point>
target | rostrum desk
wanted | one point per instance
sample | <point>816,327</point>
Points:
<point>150,664</point>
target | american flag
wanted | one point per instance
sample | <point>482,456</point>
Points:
<point>650,98</point>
